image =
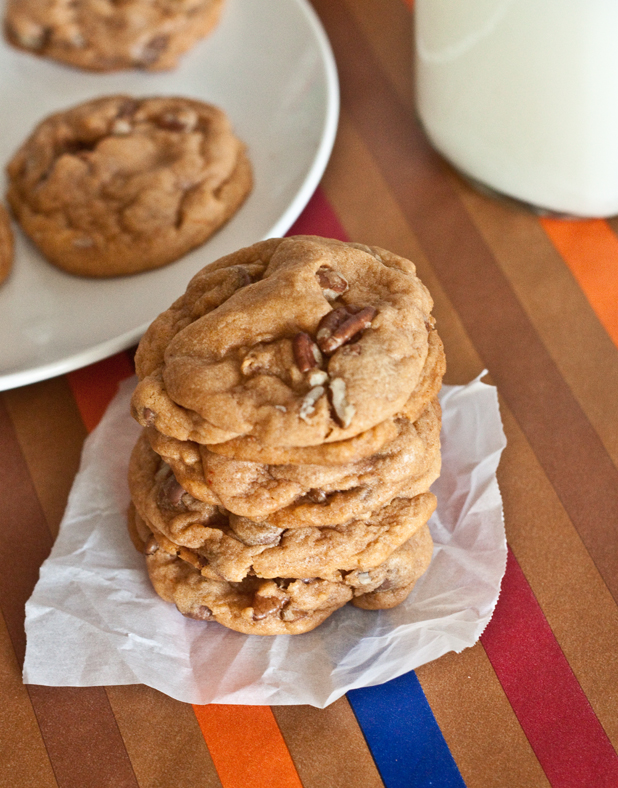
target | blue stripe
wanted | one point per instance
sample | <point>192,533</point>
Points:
<point>403,735</point>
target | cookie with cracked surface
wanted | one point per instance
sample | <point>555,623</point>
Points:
<point>278,605</point>
<point>329,340</point>
<point>6,245</point>
<point>105,35</point>
<point>353,449</point>
<point>119,185</point>
<point>401,571</point>
<point>235,546</point>
<point>253,606</point>
<point>256,490</point>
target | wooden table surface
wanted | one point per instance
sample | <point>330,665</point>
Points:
<point>535,302</point>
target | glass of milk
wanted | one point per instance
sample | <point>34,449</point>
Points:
<point>522,97</point>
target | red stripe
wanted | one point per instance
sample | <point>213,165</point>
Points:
<point>561,726</point>
<point>94,387</point>
<point>319,218</point>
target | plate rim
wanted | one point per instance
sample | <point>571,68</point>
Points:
<point>107,348</point>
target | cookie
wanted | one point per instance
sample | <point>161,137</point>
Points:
<point>404,567</point>
<point>279,605</point>
<point>6,245</point>
<point>306,341</point>
<point>255,490</point>
<point>106,35</point>
<point>352,449</point>
<point>234,546</point>
<point>119,185</point>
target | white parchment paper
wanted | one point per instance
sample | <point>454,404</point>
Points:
<point>94,619</point>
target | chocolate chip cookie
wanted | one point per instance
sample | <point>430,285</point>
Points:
<point>6,244</point>
<point>107,35</point>
<point>120,185</point>
<point>295,342</point>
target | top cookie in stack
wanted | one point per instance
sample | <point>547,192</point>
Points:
<point>291,435</point>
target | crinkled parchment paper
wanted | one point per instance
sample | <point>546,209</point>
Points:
<point>94,619</point>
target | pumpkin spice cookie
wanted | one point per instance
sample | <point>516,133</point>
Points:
<point>120,185</point>
<point>107,35</point>
<point>256,490</point>
<point>273,606</point>
<point>235,546</point>
<point>308,341</point>
<point>6,244</point>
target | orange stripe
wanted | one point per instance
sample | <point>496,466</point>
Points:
<point>590,249</point>
<point>247,747</point>
<point>94,387</point>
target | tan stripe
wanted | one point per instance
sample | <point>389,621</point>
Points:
<point>23,759</point>
<point>554,303</point>
<point>327,746</point>
<point>50,433</point>
<point>562,575</point>
<point>387,25</point>
<point>163,739</point>
<point>371,215</point>
<point>478,723</point>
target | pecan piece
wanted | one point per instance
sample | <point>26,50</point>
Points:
<point>306,353</point>
<point>342,327</point>
<point>308,404</point>
<point>333,284</point>
<point>344,411</point>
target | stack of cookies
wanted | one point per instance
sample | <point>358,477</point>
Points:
<point>290,436</point>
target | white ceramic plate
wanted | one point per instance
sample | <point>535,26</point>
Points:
<point>270,67</point>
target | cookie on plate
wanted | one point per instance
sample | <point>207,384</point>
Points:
<point>6,244</point>
<point>107,35</point>
<point>119,185</point>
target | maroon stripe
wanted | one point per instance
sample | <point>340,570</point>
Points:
<point>552,708</point>
<point>25,540</point>
<point>565,443</point>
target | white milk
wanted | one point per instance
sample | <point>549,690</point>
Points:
<point>522,95</point>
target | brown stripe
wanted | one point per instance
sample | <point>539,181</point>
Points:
<point>478,723</point>
<point>569,450</point>
<point>387,27</point>
<point>586,357</point>
<point>50,433</point>
<point>371,215</point>
<point>327,746</point>
<point>82,737</point>
<point>163,739</point>
<point>25,541</point>
<point>23,759</point>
